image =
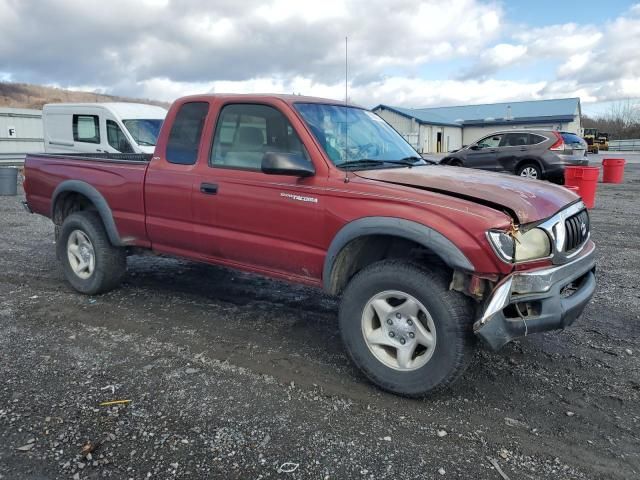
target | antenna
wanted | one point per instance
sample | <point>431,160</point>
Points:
<point>346,70</point>
<point>346,110</point>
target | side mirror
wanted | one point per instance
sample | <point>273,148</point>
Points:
<point>280,163</point>
<point>474,147</point>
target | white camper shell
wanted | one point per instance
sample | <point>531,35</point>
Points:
<point>101,127</point>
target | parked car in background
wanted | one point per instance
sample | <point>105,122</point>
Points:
<point>538,154</point>
<point>101,127</point>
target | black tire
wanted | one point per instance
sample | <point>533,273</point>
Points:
<point>455,162</point>
<point>451,312</point>
<point>529,165</point>
<point>110,262</point>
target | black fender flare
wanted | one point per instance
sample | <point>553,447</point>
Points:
<point>98,201</point>
<point>397,227</point>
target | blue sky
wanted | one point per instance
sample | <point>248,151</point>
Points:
<point>545,12</point>
<point>402,52</point>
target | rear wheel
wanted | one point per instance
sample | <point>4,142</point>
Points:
<point>530,170</point>
<point>404,328</point>
<point>454,162</point>
<point>90,263</point>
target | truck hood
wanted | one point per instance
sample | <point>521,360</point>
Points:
<point>527,200</point>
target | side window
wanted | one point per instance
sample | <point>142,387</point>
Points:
<point>185,134</point>
<point>490,142</point>
<point>515,139</point>
<point>246,132</point>
<point>117,138</point>
<point>86,128</point>
<point>535,139</point>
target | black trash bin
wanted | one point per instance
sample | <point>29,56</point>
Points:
<point>8,181</point>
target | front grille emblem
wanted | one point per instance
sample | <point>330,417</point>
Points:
<point>583,228</point>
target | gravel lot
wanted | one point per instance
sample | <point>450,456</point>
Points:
<point>233,376</point>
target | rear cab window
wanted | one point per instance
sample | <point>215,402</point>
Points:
<point>186,132</point>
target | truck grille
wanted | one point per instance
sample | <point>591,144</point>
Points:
<point>577,227</point>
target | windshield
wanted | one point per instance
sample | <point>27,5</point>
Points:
<point>350,134</point>
<point>144,131</point>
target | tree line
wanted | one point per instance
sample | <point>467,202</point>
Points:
<point>621,121</point>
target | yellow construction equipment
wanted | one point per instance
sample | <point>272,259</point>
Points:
<point>596,141</point>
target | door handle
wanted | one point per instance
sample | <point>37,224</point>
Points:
<point>523,149</point>
<point>209,188</point>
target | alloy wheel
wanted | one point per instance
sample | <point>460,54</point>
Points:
<point>81,254</point>
<point>398,330</point>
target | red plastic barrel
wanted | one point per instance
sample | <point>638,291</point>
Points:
<point>613,170</point>
<point>576,190</point>
<point>586,179</point>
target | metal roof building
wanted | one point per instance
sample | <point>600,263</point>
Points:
<point>440,129</point>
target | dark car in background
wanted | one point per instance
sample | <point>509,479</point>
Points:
<point>537,154</point>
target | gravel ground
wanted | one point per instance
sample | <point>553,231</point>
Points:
<point>233,376</point>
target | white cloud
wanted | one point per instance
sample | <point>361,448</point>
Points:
<point>558,40</point>
<point>402,91</point>
<point>167,48</point>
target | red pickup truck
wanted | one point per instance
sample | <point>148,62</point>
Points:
<point>426,258</point>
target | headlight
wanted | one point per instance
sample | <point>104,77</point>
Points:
<point>532,244</point>
<point>522,246</point>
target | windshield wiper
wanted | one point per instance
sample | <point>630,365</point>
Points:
<point>363,162</point>
<point>413,160</point>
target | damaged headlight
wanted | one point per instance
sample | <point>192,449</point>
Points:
<point>520,246</point>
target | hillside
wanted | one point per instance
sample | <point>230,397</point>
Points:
<point>23,95</point>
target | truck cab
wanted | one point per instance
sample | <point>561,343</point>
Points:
<point>101,127</point>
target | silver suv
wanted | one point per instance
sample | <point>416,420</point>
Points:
<point>538,154</point>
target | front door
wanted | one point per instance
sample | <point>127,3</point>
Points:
<point>484,153</point>
<point>265,222</point>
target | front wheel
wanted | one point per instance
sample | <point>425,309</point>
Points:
<point>89,262</point>
<point>404,328</point>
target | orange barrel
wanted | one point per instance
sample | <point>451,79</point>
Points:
<point>613,170</point>
<point>586,179</point>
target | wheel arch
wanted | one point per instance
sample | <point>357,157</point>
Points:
<point>350,250</point>
<point>75,195</point>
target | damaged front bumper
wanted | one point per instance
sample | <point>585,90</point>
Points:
<point>538,300</point>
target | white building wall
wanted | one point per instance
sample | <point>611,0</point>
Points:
<point>423,137</point>
<point>576,125</point>
<point>407,127</point>
<point>20,133</point>
<point>452,138</point>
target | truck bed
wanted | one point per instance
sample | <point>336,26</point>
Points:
<point>119,179</point>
